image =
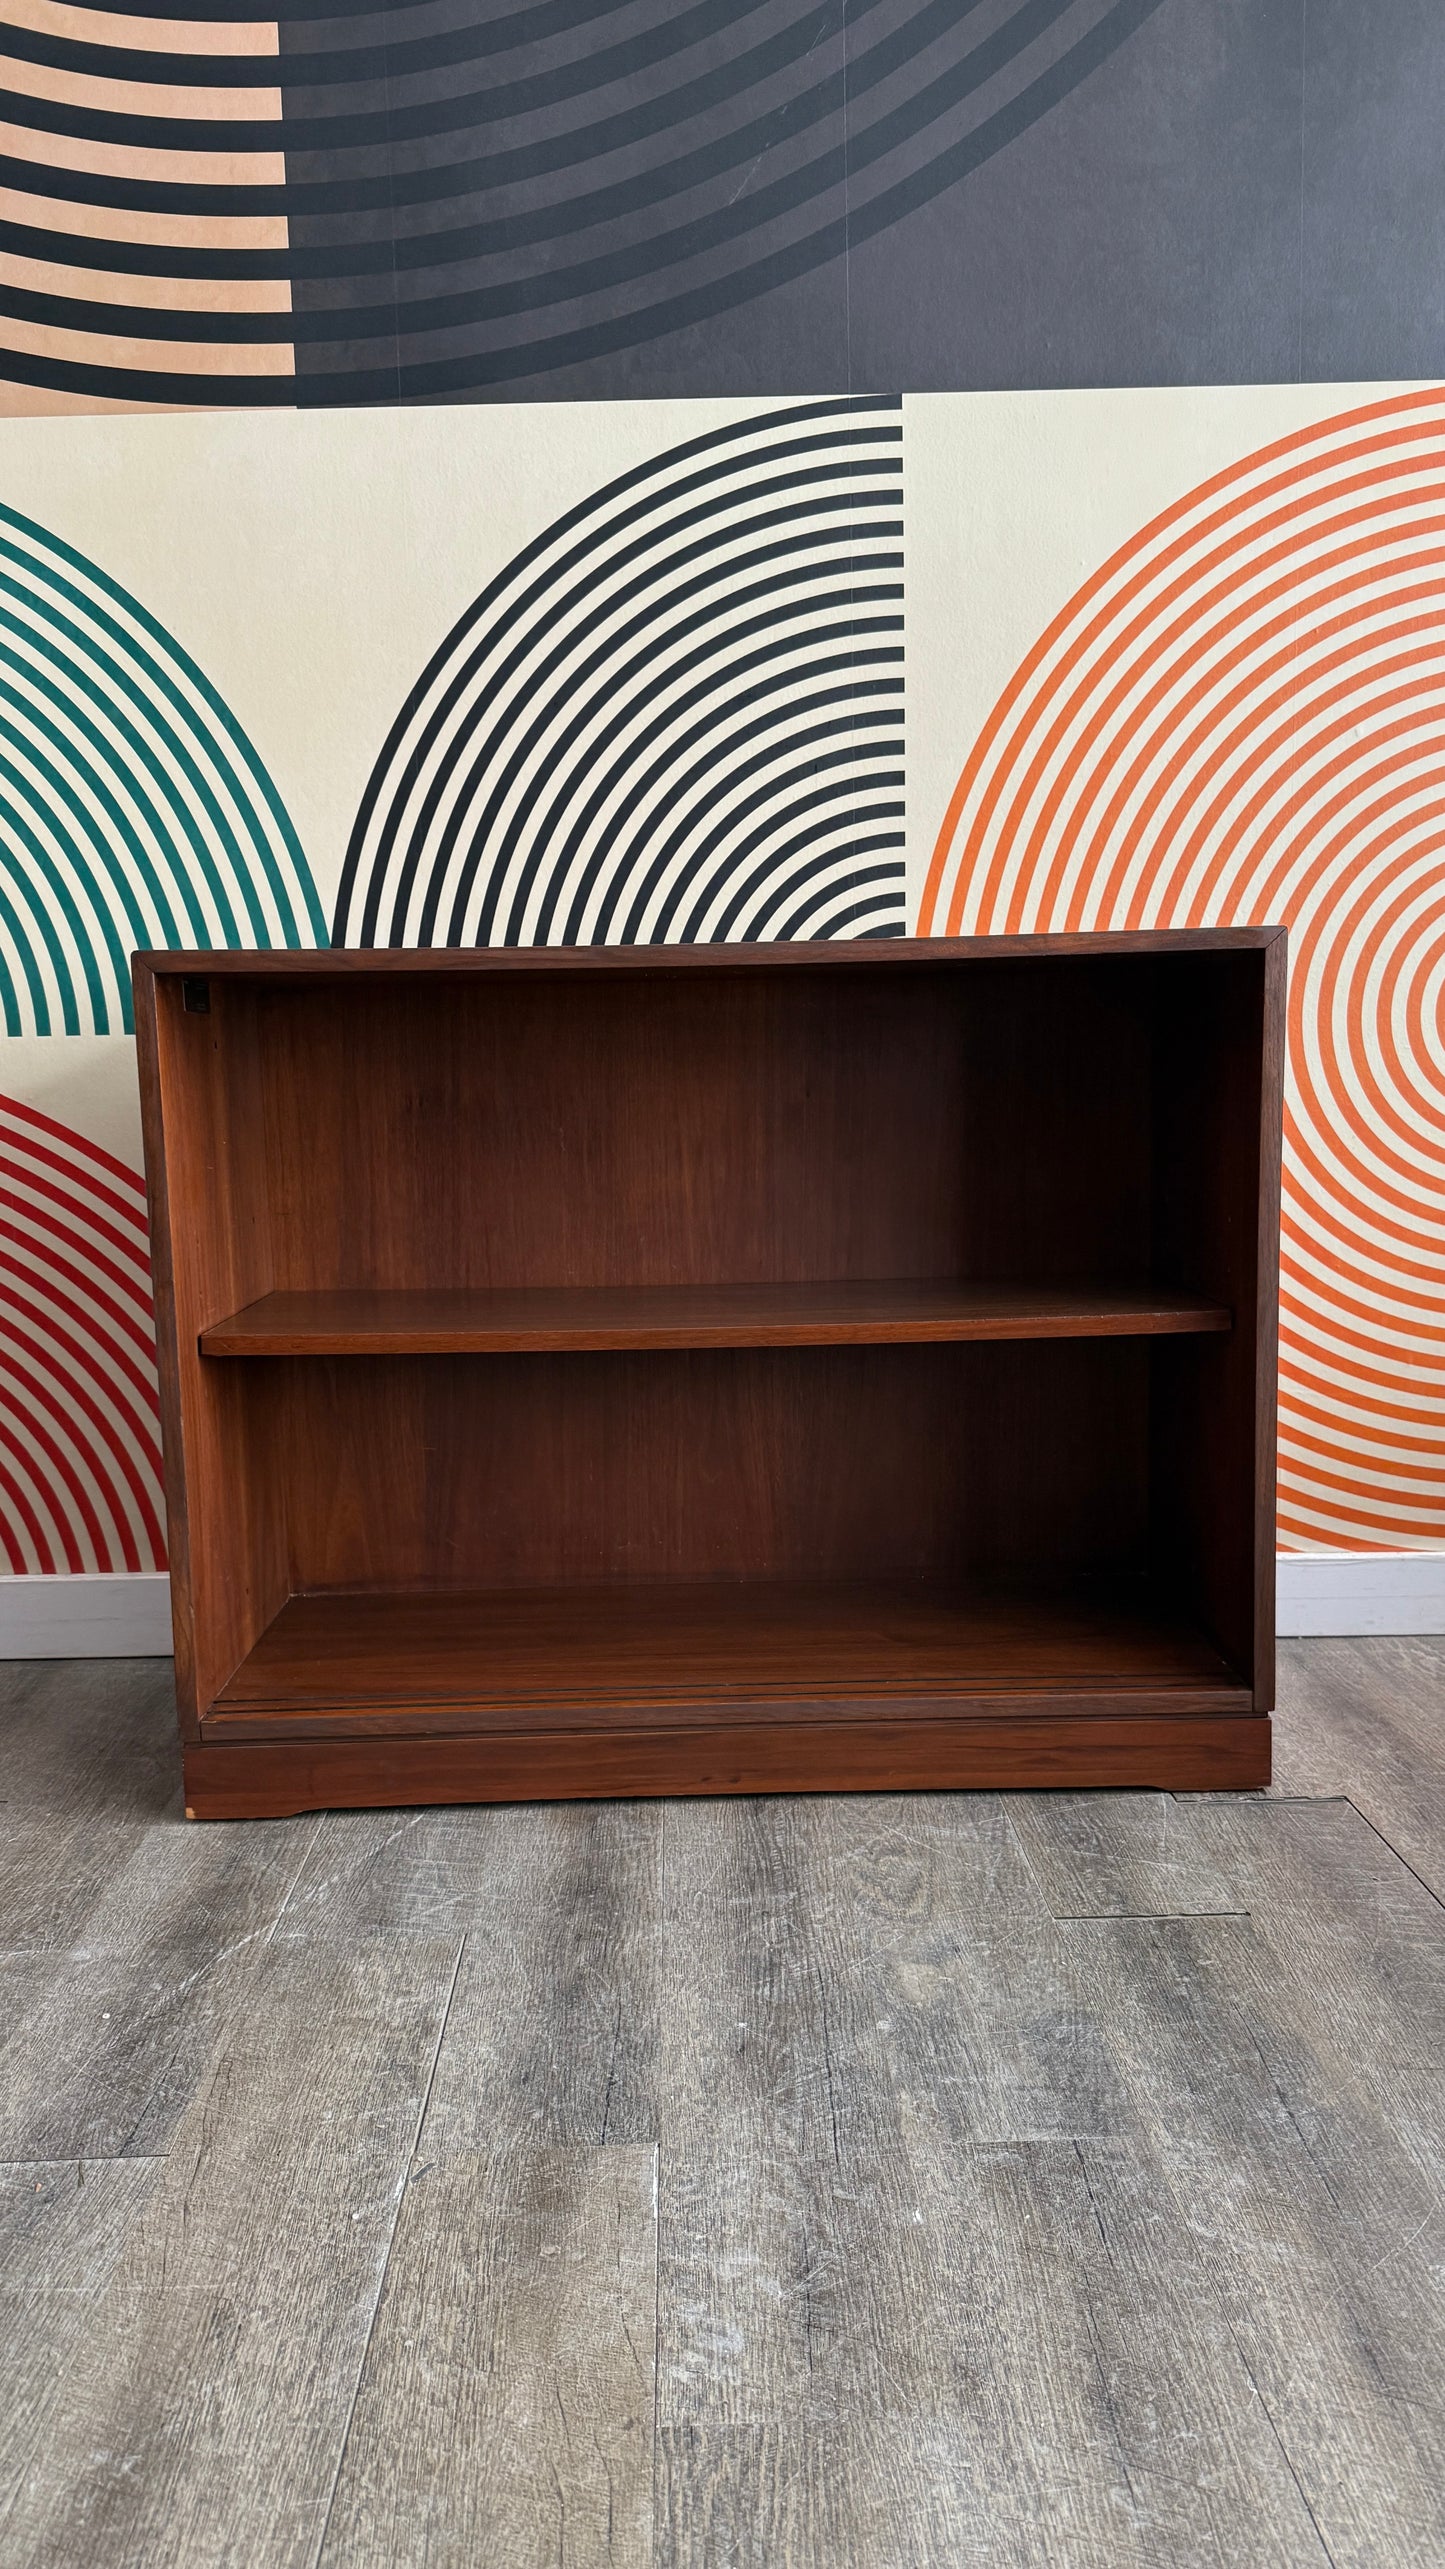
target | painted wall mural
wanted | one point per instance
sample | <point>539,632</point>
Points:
<point>530,473</point>
<point>133,809</point>
<point>80,1458</point>
<point>451,208</point>
<point>673,708</point>
<point>675,717</point>
<point>439,201</point>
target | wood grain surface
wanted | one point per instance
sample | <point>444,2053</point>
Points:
<point>892,2181</point>
<point>1186,1751</point>
<point>612,1652</point>
<point>884,1311</point>
<point>339,964</point>
<point>532,2274</point>
<point>805,1463</point>
<point>718,1688</point>
<point>1366,1722</point>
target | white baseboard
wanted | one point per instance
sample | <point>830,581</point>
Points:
<point>90,1614</point>
<point>1355,1592</point>
<point>127,1615</point>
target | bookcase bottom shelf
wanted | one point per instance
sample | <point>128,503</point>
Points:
<point>382,1699</point>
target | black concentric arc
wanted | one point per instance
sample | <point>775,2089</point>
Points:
<point>676,717</point>
<point>473,206</point>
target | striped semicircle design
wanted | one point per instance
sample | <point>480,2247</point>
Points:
<point>80,1457</point>
<point>143,237</point>
<point>205,207</point>
<point>1241,717</point>
<point>133,809</point>
<point>675,717</point>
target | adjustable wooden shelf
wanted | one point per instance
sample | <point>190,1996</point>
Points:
<point>717,1369</point>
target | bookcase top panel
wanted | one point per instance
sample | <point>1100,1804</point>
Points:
<point>347,962</point>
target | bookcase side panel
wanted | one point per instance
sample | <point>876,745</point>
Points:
<point>1266,1354</point>
<point>206,1167</point>
<point>1212,1408</point>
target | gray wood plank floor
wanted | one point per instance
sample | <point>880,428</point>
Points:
<point>861,2184</point>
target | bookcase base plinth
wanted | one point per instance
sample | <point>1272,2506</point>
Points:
<point>1105,1744</point>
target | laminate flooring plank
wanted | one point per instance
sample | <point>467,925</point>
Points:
<point>753,1967</point>
<point>146,1885</point>
<point>1208,2475</point>
<point>1219,2054</point>
<point>1363,1719</point>
<point>62,2230</point>
<point>956,1975</point>
<point>985,2034</point>
<point>100,2055</point>
<point>92,1737</point>
<point>63,2223</point>
<point>1322,2236</point>
<point>204,2412</point>
<point>811,1940</point>
<point>841,2012</point>
<point>984,2234</point>
<point>896,1863</point>
<point>93,1784</point>
<point>1359,1935</point>
<point>1081,2403</point>
<point>552,2035</point>
<point>790,2289</point>
<point>779,2154</point>
<point>506,2407</point>
<point>404,1873</point>
<point>1345,2346</point>
<point>1356,1935</point>
<point>1116,2418</point>
<point>1348,1949</point>
<point>102,2041</point>
<point>873,2495</point>
<point>1120,1855</point>
<point>125,1935</point>
<point>810,2497</point>
<point>1072,2396</point>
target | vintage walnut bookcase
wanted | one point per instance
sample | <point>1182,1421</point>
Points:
<point>717,1369</point>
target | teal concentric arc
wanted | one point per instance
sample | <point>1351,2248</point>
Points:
<point>134,811</point>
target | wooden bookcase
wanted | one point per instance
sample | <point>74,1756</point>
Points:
<point>717,1369</point>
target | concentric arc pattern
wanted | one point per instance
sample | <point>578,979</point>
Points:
<point>392,205</point>
<point>80,1459</point>
<point>143,237</point>
<point>1241,717</point>
<point>676,717</point>
<point>133,809</point>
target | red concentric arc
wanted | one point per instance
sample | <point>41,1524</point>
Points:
<point>1241,717</point>
<point>80,1459</point>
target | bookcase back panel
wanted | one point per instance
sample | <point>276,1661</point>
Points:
<point>699,1129</point>
<point>846,1463</point>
